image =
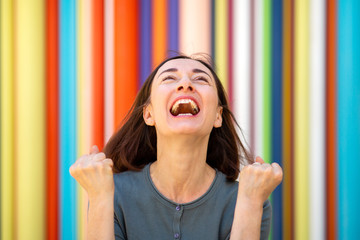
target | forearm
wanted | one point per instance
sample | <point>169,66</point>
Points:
<point>247,220</point>
<point>101,218</point>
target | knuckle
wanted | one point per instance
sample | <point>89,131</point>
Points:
<point>279,176</point>
<point>99,156</point>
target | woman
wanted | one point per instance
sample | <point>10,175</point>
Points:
<point>176,160</point>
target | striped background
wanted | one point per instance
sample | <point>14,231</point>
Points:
<point>71,69</point>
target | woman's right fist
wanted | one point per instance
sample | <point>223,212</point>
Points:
<point>94,173</point>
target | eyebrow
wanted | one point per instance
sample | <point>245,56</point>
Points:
<point>195,70</point>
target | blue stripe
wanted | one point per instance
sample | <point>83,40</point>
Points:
<point>276,116</point>
<point>173,27</point>
<point>348,118</point>
<point>145,40</point>
<point>68,198</point>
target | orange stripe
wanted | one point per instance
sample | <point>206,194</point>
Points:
<point>52,119</point>
<point>331,120</point>
<point>98,72</point>
<point>287,119</point>
<point>159,26</point>
<point>126,56</point>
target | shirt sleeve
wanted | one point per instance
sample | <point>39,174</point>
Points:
<point>119,228</point>
<point>266,220</point>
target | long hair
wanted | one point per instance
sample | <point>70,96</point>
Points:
<point>134,145</point>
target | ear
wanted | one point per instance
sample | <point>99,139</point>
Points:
<point>147,115</point>
<point>218,120</point>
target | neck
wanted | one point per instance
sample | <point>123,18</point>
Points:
<point>181,173</point>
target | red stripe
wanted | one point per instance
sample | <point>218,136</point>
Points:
<point>52,119</point>
<point>126,54</point>
<point>331,177</point>
<point>98,73</point>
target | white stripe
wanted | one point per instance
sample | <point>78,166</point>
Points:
<point>109,70</point>
<point>258,148</point>
<point>241,81</point>
<point>317,119</point>
<point>195,26</point>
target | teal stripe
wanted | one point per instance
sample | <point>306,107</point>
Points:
<point>348,118</point>
<point>67,68</point>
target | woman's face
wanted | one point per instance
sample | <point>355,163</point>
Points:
<point>183,99</point>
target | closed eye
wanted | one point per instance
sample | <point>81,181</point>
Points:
<point>201,78</point>
<point>169,77</point>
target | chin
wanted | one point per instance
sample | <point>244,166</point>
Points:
<point>188,129</point>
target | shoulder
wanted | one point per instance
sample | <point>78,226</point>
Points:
<point>225,192</point>
<point>225,186</point>
<point>129,183</point>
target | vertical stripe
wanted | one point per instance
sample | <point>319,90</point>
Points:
<point>84,98</point>
<point>267,85</point>
<point>145,40</point>
<point>30,119</point>
<point>276,107</point>
<point>230,38</point>
<point>252,76</point>
<point>159,29</point>
<point>173,27</point>
<point>7,119</point>
<point>242,66</point>
<point>109,69</point>
<point>301,119</point>
<point>98,72</point>
<point>126,66</point>
<point>213,18</point>
<point>257,118</point>
<point>68,153</point>
<point>331,176</point>
<point>195,26</point>
<point>52,120</point>
<point>221,41</point>
<point>267,82</point>
<point>317,120</point>
<point>287,133</point>
<point>348,117</point>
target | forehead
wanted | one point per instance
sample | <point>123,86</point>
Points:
<point>183,65</point>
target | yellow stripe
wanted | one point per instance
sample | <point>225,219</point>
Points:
<point>84,58</point>
<point>301,119</point>
<point>7,120</point>
<point>221,33</point>
<point>30,120</point>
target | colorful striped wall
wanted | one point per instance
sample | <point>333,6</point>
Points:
<point>71,69</point>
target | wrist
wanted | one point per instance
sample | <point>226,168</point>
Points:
<point>251,203</point>
<point>101,198</point>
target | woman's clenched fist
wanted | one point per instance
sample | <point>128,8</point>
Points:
<point>258,180</point>
<point>94,173</point>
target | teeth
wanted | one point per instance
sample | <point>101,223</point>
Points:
<point>175,107</point>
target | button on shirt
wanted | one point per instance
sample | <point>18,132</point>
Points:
<point>142,212</point>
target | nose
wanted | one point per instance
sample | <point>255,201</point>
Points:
<point>185,85</point>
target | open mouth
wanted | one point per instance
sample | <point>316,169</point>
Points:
<point>184,107</point>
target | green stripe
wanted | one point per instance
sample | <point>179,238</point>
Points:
<point>267,86</point>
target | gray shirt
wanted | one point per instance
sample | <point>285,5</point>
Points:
<point>142,212</point>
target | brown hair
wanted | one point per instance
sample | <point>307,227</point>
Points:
<point>134,145</point>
